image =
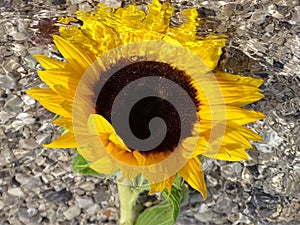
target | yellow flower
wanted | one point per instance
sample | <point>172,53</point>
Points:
<point>160,71</point>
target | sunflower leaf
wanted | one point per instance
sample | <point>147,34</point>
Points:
<point>80,165</point>
<point>167,211</point>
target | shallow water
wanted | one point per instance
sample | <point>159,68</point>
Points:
<point>263,42</point>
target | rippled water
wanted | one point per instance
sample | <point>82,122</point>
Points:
<point>263,42</point>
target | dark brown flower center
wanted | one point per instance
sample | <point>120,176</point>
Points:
<point>156,104</point>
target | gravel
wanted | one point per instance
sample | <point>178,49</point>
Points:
<point>37,185</point>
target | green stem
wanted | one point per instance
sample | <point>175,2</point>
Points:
<point>128,197</point>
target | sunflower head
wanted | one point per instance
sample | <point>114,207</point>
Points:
<point>142,97</point>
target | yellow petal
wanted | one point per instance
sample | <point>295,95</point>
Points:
<point>90,147</point>
<point>161,186</point>
<point>249,134</point>
<point>140,158</point>
<point>131,17</point>
<point>65,141</point>
<point>121,155</point>
<point>103,41</point>
<point>118,141</point>
<point>158,16</point>
<point>50,100</point>
<point>64,92</point>
<point>209,50</point>
<point>242,97</point>
<point>221,113</point>
<point>229,154</point>
<point>98,125</point>
<point>149,158</point>
<point>228,135</point>
<point>53,77</point>
<point>64,122</point>
<point>103,165</point>
<point>71,53</point>
<point>76,35</point>
<point>193,174</point>
<point>187,31</point>
<point>223,77</point>
<point>215,91</point>
<point>233,136</point>
<point>49,63</point>
<point>222,151</point>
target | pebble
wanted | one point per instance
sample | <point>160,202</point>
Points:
<point>27,100</point>
<point>101,196</point>
<point>35,50</point>
<point>1,205</point>
<point>84,202</point>
<point>28,181</point>
<point>25,118</point>
<point>92,210</point>
<point>196,197</point>
<point>6,51</point>
<point>88,186</point>
<point>72,212</point>
<point>85,6</point>
<point>7,81</point>
<point>28,144</point>
<point>23,179</point>
<point>77,1</point>
<point>231,169</point>
<point>59,186</point>
<point>28,121</point>
<point>51,215</point>
<point>113,3</point>
<point>287,2</point>
<point>30,61</point>
<point>2,134</point>
<point>43,138</point>
<point>17,192</point>
<point>11,64</point>
<point>32,212</point>
<point>20,36</point>
<point>247,175</point>
<point>22,116</point>
<point>26,218</point>
<point>225,205</point>
<point>264,148</point>
<point>5,116</point>
<point>47,178</point>
<point>211,181</point>
<point>60,196</point>
<point>17,124</point>
<point>9,28</point>
<point>205,217</point>
<point>58,172</point>
<point>6,157</point>
<point>261,199</point>
<point>13,103</point>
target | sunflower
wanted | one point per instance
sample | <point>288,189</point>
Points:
<point>142,97</point>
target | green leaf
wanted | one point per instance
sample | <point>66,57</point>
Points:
<point>80,165</point>
<point>186,197</point>
<point>167,211</point>
<point>160,214</point>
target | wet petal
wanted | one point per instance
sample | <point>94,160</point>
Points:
<point>65,141</point>
<point>193,174</point>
